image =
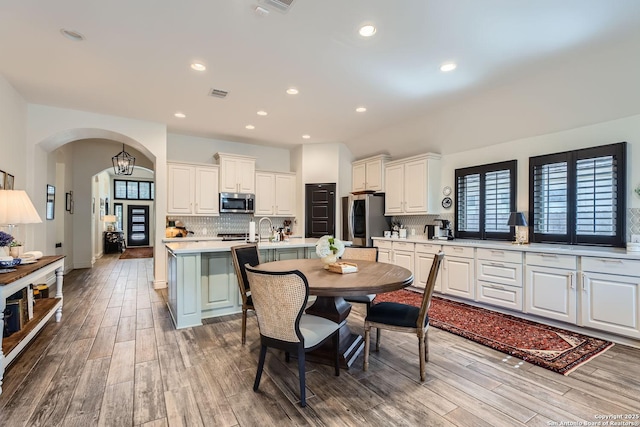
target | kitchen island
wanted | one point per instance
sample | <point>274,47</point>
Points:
<point>202,281</point>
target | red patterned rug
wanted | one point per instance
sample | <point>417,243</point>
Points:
<point>551,348</point>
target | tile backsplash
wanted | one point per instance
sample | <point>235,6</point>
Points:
<point>225,223</point>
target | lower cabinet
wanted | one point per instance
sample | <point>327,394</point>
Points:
<point>458,272</point>
<point>499,275</point>
<point>402,255</point>
<point>384,251</point>
<point>550,286</point>
<point>219,286</point>
<point>611,295</point>
<point>423,260</point>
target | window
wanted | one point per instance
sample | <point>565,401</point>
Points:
<point>578,197</point>
<point>485,196</point>
<point>133,190</point>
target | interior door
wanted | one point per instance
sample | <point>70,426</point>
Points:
<point>320,206</point>
<point>138,225</point>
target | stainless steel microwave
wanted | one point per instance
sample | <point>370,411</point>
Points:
<point>237,202</point>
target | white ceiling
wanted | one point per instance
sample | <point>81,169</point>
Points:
<point>524,67</point>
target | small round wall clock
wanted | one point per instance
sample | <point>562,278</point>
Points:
<point>446,191</point>
<point>447,202</point>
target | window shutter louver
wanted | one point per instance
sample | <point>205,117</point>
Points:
<point>550,198</point>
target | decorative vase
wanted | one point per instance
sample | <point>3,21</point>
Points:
<point>4,251</point>
<point>16,251</point>
<point>329,259</point>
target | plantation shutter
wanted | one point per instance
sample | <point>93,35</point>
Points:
<point>497,201</point>
<point>596,196</point>
<point>468,198</point>
<point>550,186</point>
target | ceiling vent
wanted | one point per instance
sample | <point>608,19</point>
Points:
<point>281,5</point>
<point>217,93</point>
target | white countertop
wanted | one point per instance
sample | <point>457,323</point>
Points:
<point>184,246</point>
<point>580,250</point>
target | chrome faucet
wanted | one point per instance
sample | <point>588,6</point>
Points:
<point>264,218</point>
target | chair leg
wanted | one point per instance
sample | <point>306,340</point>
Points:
<point>244,326</point>
<point>377,339</point>
<point>422,356</point>
<point>303,390</point>
<point>263,354</point>
<point>426,346</point>
<point>336,356</point>
<point>367,334</point>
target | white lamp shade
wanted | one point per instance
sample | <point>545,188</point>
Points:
<point>16,208</point>
<point>110,218</point>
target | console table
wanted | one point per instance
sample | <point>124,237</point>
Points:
<point>21,278</point>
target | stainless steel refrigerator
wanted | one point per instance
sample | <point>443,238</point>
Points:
<point>363,218</point>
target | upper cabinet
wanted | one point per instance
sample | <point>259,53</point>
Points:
<point>275,194</point>
<point>411,185</point>
<point>192,189</point>
<point>237,173</point>
<point>368,174</point>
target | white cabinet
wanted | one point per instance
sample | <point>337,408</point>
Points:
<point>192,189</point>
<point>412,185</point>
<point>237,173</point>
<point>384,250</point>
<point>402,254</point>
<point>424,254</point>
<point>550,286</point>
<point>275,194</point>
<point>458,271</point>
<point>499,278</point>
<point>368,174</point>
<point>611,295</point>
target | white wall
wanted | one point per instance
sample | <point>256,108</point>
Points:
<point>626,129</point>
<point>201,150</point>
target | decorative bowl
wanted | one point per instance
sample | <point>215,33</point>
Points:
<point>16,261</point>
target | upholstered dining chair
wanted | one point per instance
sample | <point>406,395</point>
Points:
<point>364,254</point>
<point>241,255</point>
<point>280,299</point>
<point>404,318</point>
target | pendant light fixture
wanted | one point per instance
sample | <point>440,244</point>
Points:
<point>123,163</point>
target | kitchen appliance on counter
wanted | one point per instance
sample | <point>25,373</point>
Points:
<point>237,202</point>
<point>363,218</point>
<point>445,232</point>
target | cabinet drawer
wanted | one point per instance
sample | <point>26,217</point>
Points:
<point>500,272</point>
<point>627,267</point>
<point>499,255</point>
<point>385,244</point>
<point>403,246</point>
<point>459,251</point>
<point>551,260</point>
<point>500,295</point>
<point>427,248</point>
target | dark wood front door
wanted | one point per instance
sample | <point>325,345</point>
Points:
<point>320,206</point>
<point>137,225</point>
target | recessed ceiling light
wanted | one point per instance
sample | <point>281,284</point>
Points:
<point>361,109</point>
<point>367,30</point>
<point>262,113</point>
<point>292,91</point>
<point>198,66</point>
<point>180,115</point>
<point>250,127</point>
<point>306,136</point>
<point>449,66</point>
<point>72,35</point>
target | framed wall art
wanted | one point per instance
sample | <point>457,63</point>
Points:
<point>51,201</point>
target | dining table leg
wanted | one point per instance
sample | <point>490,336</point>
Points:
<point>350,344</point>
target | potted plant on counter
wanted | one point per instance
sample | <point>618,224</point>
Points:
<point>16,249</point>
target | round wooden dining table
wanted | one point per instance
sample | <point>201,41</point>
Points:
<point>331,288</point>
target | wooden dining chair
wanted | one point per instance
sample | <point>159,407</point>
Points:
<point>241,255</point>
<point>280,299</point>
<point>404,318</point>
<point>363,254</point>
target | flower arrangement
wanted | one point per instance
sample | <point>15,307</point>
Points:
<point>15,243</point>
<point>329,245</point>
<point>5,238</point>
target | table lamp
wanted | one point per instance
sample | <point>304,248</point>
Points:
<point>16,208</point>
<point>517,219</point>
<point>110,220</point>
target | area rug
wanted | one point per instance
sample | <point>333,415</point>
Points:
<point>132,253</point>
<point>552,348</point>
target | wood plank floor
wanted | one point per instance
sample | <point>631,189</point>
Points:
<point>115,359</point>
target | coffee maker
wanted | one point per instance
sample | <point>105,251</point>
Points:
<point>445,232</point>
